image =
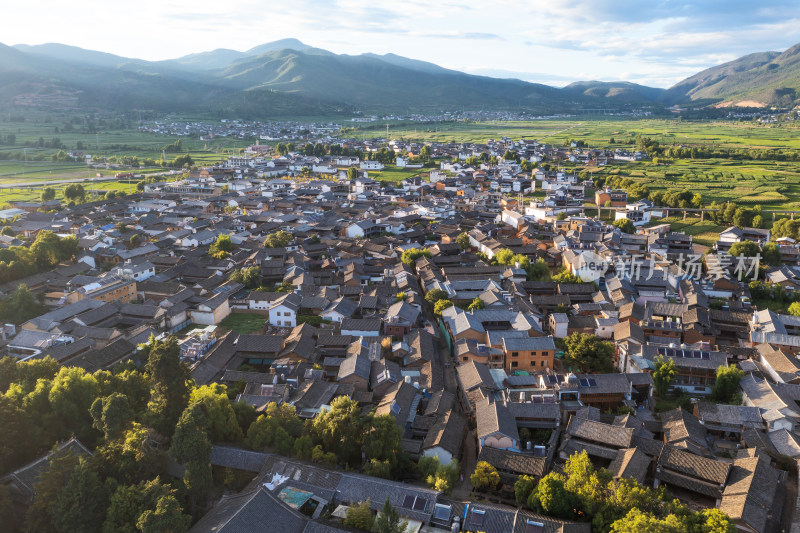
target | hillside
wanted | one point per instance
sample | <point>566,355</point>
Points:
<point>617,91</point>
<point>290,78</point>
<point>766,78</point>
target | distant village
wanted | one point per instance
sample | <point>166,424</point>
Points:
<point>450,301</point>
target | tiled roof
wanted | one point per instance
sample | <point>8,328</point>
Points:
<point>517,463</point>
<point>605,434</point>
<point>447,433</point>
<point>495,418</point>
<point>630,462</point>
<point>689,464</point>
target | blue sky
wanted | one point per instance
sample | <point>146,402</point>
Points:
<point>655,42</point>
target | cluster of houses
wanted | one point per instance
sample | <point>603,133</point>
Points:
<point>343,315</point>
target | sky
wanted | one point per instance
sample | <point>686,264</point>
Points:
<point>653,42</point>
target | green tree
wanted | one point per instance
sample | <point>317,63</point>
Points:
<point>80,505</point>
<point>71,395</point>
<point>538,270</point>
<point>382,439</point>
<point>169,393</point>
<point>440,306</point>
<point>8,516</point>
<point>663,375</point>
<point>523,488</point>
<point>727,383</point>
<point>303,447</point>
<point>389,520</point>
<point>636,521</point>
<point>434,295</point>
<point>463,241</point>
<point>279,239</point>
<point>222,424</point>
<point>41,515</point>
<point>20,305</point>
<point>485,476</point>
<point>191,448</point>
<point>74,192</point>
<point>476,303</point>
<point>771,254</point>
<point>112,415</point>
<point>589,353</point>
<point>794,309</point>
<point>249,277</point>
<point>339,430</point>
<point>410,256</point>
<point>352,173</point>
<point>625,225</point>
<point>48,194</point>
<point>550,497</point>
<point>221,248</point>
<point>425,153</point>
<point>378,468</point>
<point>167,517</point>
<point>744,248</point>
<point>444,477</point>
<point>360,516</point>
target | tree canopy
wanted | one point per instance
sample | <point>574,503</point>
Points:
<point>588,353</point>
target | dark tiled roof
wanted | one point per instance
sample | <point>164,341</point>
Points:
<point>598,432</point>
<point>447,433</point>
<point>256,511</point>
<point>630,462</point>
<point>495,418</point>
<point>266,344</point>
<point>689,464</point>
<point>512,462</point>
<point>230,457</point>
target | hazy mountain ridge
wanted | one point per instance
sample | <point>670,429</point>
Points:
<point>288,77</point>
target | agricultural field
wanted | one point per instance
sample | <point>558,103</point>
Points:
<point>598,132</point>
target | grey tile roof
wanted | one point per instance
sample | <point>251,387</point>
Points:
<point>514,463</point>
<point>447,433</point>
<point>473,375</point>
<point>513,344</point>
<point>266,344</point>
<point>630,462</point>
<point>256,511</point>
<point>357,488</point>
<point>494,418</point>
<point>358,365</point>
<point>238,458</point>
<point>600,433</point>
<point>750,495</point>
<point>694,466</point>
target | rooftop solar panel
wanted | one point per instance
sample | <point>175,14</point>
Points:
<point>420,505</point>
<point>592,382</point>
<point>408,502</point>
<point>476,518</point>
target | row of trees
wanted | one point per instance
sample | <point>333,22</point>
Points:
<point>46,251</point>
<point>117,414</point>
<point>622,506</point>
<point>336,436</point>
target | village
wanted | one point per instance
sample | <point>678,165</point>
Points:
<point>479,303</point>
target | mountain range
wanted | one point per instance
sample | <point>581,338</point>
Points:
<point>288,78</point>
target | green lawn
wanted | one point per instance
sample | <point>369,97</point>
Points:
<point>244,323</point>
<point>394,174</point>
